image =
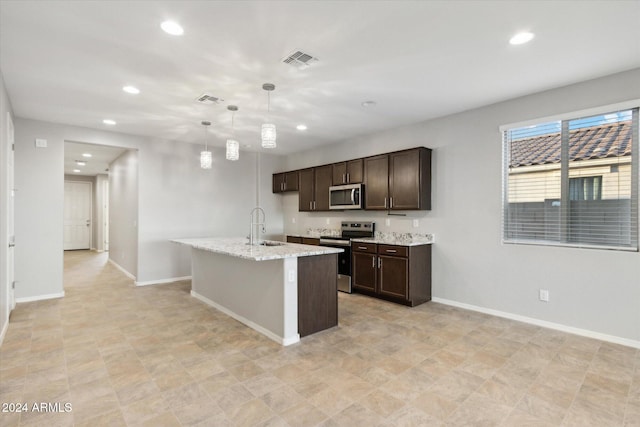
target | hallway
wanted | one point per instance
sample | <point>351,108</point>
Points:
<point>155,356</point>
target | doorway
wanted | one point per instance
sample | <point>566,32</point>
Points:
<point>78,227</point>
<point>11,298</point>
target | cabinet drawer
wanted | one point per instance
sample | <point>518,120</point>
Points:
<point>364,247</point>
<point>294,239</point>
<point>393,250</point>
<point>310,241</point>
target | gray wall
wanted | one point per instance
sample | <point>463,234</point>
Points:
<point>175,199</point>
<point>5,108</point>
<point>596,290</point>
<point>123,205</point>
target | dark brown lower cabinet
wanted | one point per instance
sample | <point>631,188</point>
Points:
<point>317,293</point>
<point>396,273</point>
<point>294,239</point>
<point>364,271</point>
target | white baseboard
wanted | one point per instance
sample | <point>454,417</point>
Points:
<point>119,267</point>
<point>4,331</point>
<point>162,281</point>
<point>543,323</point>
<point>249,323</point>
<point>40,297</point>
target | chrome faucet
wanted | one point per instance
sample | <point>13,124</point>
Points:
<point>254,238</point>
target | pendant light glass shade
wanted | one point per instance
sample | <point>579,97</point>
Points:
<point>233,149</point>
<point>206,159</point>
<point>269,135</point>
<point>268,129</point>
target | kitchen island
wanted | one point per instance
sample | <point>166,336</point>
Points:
<point>282,290</point>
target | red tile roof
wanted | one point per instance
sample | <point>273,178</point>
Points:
<point>595,142</point>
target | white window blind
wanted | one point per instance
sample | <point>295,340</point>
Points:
<point>573,182</point>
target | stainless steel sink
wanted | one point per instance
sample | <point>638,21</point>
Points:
<point>268,243</point>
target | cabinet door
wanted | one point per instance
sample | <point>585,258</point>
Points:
<point>354,171</point>
<point>394,276</point>
<point>305,200</point>
<point>294,239</point>
<point>321,184</point>
<point>376,181</point>
<point>339,173</point>
<point>291,181</point>
<point>278,182</point>
<point>364,271</point>
<point>410,179</point>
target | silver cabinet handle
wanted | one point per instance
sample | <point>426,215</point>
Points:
<point>385,202</point>
<point>391,251</point>
<point>379,262</point>
<point>310,206</point>
<point>347,176</point>
<point>390,202</point>
<point>373,262</point>
<point>362,247</point>
<point>314,205</point>
<point>344,178</point>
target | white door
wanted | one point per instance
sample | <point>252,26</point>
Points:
<point>10,214</point>
<point>77,215</point>
<point>105,214</point>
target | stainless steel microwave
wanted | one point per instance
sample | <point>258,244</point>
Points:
<point>348,196</point>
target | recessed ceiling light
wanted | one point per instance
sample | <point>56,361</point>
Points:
<point>131,89</point>
<point>367,104</point>
<point>76,170</point>
<point>86,155</point>
<point>80,163</point>
<point>521,38</point>
<point>301,127</point>
<point>109,122</point>
<point>171,27</point>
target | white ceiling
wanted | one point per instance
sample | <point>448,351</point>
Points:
<point>66,61</point>
<point>98,163</point>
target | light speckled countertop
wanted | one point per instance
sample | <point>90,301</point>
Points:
<point>381,237</point>
<point>395,240</point>
<point>238,247</point>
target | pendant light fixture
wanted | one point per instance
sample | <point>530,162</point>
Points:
<point>268,129</point>
<point>233,148</point>
<point>206,158</point>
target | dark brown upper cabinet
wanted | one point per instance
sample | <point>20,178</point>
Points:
<point>350,172</point>
<point>314,186</point>
<point>285,181</point>
<point>399,180</point>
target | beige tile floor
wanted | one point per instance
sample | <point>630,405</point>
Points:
<point>155,356</point>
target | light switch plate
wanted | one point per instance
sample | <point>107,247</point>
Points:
<point>41,143</point>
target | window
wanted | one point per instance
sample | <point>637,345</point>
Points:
<point>573,182</point>
<point>585,188</point>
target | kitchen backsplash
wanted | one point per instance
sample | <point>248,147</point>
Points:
<point>384,235</point>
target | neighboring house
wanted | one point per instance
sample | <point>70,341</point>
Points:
<point>599,182</point>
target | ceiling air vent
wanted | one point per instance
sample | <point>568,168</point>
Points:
<point>205,98</point>
<point>299,59</point>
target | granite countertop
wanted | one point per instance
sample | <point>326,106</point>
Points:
<point>396,240</point>
<point>381,237</point>
<point>238,247</point>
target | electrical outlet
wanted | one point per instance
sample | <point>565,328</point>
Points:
<point>328,221</point>
<point>293,220</point>
<point>387,222</point>
<point>544,295</point>
<point>292,276</point>
<point>416,223</point>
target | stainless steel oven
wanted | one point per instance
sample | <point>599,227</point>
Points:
<point>349,229</point>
